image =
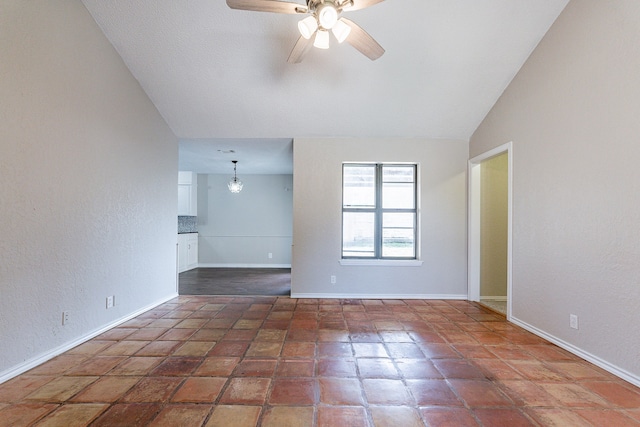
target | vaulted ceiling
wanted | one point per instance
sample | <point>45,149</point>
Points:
<point>220,76</point>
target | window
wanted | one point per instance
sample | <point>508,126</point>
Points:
<point>379,211</point>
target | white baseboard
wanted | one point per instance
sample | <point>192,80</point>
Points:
<point>48,355</point>
<point>493,298</point>
<point>208,265</point>
<point>609,367</point>
<point>378,296</point>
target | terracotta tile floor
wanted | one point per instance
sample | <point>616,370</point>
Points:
<point>276,361</point>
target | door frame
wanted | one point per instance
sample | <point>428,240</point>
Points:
<point>474,198</point>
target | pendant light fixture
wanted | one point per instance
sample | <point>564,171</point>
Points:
<point>235,185</point>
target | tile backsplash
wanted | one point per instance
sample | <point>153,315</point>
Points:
<point>187,224</point>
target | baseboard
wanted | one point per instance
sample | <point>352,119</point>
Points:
<point>493,298</point>
<point>207,265</point>
<point>609,367</point>
<point>38,360</point>
<point>378,296</point>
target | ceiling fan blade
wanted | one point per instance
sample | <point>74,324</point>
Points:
<point>299,50</point>
<point>360,4</point>
<point>276,6</point>
<point>362,41</point>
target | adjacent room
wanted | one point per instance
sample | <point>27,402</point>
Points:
<point>235,242</point>
<point>449,188</point>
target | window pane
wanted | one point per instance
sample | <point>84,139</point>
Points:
<point>398,187</point>
<point>358,231</point>
<point>398,235</point>
<point>359,186</point>
<point>397,173</point>
<point>398,196</point>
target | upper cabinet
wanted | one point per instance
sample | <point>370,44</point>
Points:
<point>187,193</point>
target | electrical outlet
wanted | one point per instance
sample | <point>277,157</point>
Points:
<point>65,317</point>
<point>573,321</point>
<point>333,280</point>
<point>110,301</point>
<point>270,255</point>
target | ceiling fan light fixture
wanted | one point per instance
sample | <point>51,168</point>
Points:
<point>320,17</point>
<point>322,39</point>
<point>327,16</point>
<point>341,31</point>
<point>308,26</point>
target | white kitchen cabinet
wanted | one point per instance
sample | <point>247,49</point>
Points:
<point>192,250</point>
<point>182,252</point>
<point>187,251</point>
<point>187,193</point>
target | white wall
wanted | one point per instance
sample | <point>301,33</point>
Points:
<point>240,230</point>
<point>317,200</point>
<point>88,172</point>
<point>572,114</point>
<point>494,224</point>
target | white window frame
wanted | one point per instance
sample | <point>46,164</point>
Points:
<point>378,211</point>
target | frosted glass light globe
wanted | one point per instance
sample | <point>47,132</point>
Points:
<point>308,26</point>
<point>322,39</point>
<point>341,31</point>
<point>328,16</point>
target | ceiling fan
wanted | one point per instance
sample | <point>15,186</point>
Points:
<point>324,16</point>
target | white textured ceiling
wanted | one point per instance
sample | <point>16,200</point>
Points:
<point>255,156</point>
<point>221,75</point>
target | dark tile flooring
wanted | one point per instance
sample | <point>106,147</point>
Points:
<point>277,362</point>
<point>236,281</point>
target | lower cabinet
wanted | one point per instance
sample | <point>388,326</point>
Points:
<point>187,251</point>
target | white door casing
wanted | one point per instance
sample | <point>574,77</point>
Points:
<point>474,199</point>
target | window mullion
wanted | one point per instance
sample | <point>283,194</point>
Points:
<point>378,231</point>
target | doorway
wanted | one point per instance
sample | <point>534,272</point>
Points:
<point>490,219</point>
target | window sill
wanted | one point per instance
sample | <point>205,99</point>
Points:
<point>383,262</point>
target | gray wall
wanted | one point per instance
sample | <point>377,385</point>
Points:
<point>318,219</point>
<point>88,184</point>
<point>572,114</point>
<point>240,230</point>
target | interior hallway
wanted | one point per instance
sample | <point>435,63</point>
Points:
<point>275,361</point>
